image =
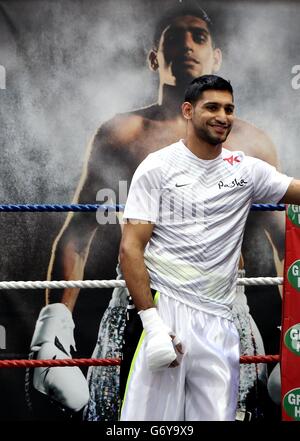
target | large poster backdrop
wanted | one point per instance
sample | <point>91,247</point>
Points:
<point>68,66</point>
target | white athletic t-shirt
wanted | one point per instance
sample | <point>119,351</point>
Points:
<point>199,208</point>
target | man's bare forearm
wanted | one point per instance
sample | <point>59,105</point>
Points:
<point>73,265</point>
<point>67,262</point>
<point>136,276</point>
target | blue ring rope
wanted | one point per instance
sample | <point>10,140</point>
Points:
<point>60,207</point>
<point>95,207</point>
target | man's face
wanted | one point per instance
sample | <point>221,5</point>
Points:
<point>212,115</point>
<point>186,51</point>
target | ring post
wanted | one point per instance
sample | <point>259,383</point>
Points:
<point>290,335</point>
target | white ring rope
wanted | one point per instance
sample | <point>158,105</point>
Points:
<point>247,281</point>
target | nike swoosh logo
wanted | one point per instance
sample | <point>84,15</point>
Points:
<point>60,346</point>
<point>182,185</point>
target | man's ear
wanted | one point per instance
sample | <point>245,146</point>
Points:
<point>152,60</point>
<point>187,110</point>
<point>217,60</point>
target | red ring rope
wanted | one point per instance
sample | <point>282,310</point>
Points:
<point>244,359</point>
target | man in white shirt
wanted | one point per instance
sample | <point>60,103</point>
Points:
<point>185,46</point>
<point>186,213</point>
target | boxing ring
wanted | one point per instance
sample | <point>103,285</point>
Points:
<point>290,340</point>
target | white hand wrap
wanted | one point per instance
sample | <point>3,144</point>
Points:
<point>160,351</point>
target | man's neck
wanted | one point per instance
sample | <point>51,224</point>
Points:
<point>201,148</point>
<point>170,99</point>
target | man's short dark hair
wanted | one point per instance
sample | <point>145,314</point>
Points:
<point>205,82</point>
<point>186,7</point>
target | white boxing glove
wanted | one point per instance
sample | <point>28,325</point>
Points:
<point>53,339</point>
<point>160,350</point>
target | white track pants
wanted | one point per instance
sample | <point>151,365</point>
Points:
<point>205,385</point>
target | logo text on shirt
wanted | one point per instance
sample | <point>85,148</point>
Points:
<point>231,159</point>
<point>232,184</point>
